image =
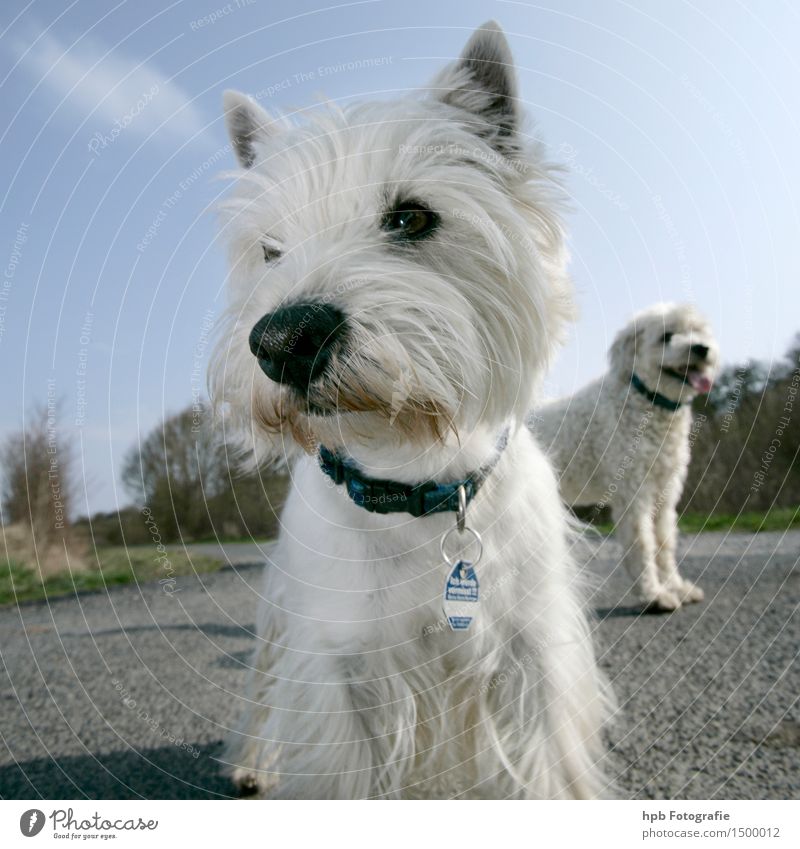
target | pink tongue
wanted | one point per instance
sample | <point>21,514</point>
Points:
<point>699,381</point>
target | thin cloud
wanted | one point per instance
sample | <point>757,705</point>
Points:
<point>115,89</point>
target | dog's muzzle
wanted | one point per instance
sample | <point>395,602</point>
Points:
<point>294,344</point>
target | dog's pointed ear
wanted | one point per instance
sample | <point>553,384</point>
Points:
<point>247,123</point>
<point>483,82</point>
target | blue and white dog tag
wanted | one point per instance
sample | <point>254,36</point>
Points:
<point>461,595</point>
<point>461,591</point>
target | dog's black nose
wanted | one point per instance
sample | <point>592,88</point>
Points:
<point>700,351</point>
<point>294,344</point>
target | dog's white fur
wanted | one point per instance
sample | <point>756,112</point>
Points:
<point>612,446</point>
<point>358,688</point>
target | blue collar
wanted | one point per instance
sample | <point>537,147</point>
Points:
<point>387,496</point>
<point>654,397</point>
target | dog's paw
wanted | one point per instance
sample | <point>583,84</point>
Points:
<point>248,785</point>
<point>690,592</point>
<point>663,600</point>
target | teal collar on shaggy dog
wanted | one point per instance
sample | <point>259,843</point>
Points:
<point>654,397</point>
<point>388,496</point>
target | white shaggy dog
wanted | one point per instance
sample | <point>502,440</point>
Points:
<point>398,271</point>
<point>623,441</point>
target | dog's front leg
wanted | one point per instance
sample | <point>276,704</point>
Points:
<point>636,532</point>
<point>301,736</point>
<point>666,530</point>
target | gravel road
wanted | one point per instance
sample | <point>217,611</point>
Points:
<point>127,694</point>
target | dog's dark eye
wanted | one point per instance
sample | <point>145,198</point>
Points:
<point>271,254</point>
<point>410,220</point>
<point>666,338</point>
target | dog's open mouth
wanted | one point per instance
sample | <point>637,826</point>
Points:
<point>697,379</point>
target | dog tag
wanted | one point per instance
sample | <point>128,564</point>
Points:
<point>460,603</point>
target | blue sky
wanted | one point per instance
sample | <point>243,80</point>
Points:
<point>679,123</point>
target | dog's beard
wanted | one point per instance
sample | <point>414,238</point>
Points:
<point>350,404</point>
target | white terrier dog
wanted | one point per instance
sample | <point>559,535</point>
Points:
<point>398,271</point>
<point>623,441</point>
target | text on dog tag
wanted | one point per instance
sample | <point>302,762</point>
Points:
<point>461,591</point>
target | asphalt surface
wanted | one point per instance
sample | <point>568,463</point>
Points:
<point>128,694</point>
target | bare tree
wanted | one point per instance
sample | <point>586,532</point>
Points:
<point>176,469</point>
<point>37,465</point>
<point>38,486</point>
<point>193,487</point>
